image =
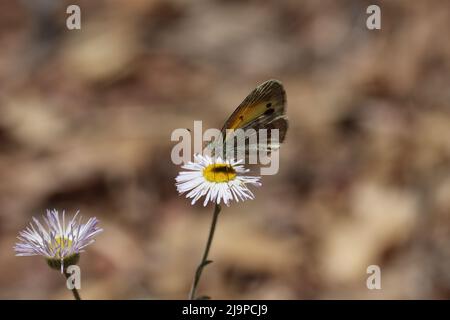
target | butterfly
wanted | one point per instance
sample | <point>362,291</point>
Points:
<point>263,108</point>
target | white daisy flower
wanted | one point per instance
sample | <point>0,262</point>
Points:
<point>58,242</point>
<point>217,179</point>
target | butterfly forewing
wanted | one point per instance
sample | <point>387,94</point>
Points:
<point>264,104</point>
<point>263,108</point>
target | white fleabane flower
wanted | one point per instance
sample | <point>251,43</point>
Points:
<point>58,242</point>
<point>217,179</point>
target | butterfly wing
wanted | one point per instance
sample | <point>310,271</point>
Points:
<point>264,105</point>
<point>263,108</point>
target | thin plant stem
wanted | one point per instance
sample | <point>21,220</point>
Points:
<point>75,293</point>
<point>204,262</point>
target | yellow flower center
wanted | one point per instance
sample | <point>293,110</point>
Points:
<point>219,173</point>
<point>60,244</point>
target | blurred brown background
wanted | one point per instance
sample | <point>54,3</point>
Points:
<point>86,118</point>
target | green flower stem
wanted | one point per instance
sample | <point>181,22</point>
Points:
<point>76,295</point>
<point>204,262</point>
